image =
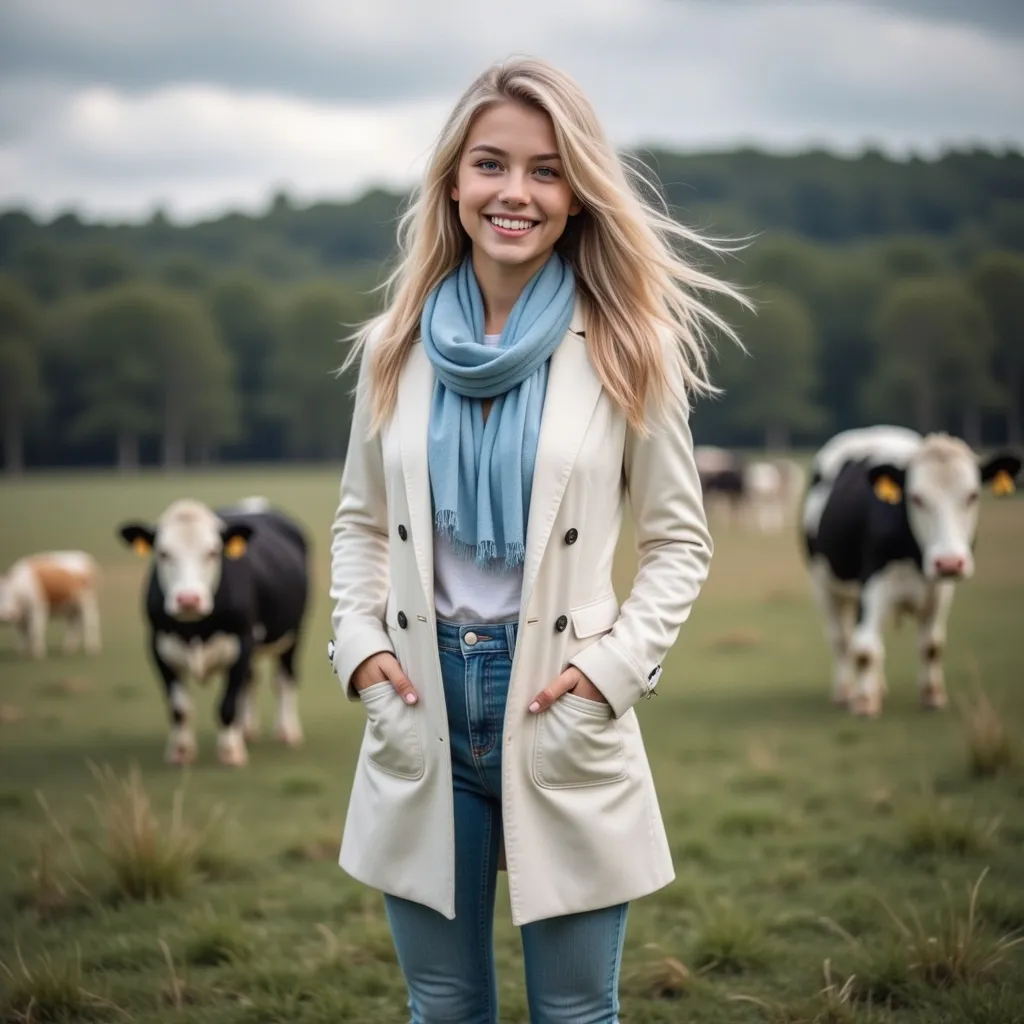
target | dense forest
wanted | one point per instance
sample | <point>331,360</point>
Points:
<point>886,291</point>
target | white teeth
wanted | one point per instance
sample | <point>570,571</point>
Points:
<point>511,225</point>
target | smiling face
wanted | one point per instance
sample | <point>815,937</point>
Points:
<point>514,200</point>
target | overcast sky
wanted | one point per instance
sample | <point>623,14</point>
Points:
<point>114,107</point>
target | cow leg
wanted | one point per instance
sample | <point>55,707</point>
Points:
<point>838,612</point>
<point>289,728</point>
<point>72,631</point>
<point>250,714</point>
<point>867,649</point>
<point>89,616</point>
<point>231,748</point>
<point>931,640</point>
<point>181,743</point>
<point>36,618</point>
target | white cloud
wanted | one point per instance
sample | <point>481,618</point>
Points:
<point>200,106</point>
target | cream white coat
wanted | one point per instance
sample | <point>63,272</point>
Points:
<point>582,827</point>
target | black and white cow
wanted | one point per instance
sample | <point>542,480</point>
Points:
<point>225,587</point>
<point>763,494</point>
<point>889,523</point>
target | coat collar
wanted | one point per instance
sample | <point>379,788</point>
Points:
<point>572,393</point>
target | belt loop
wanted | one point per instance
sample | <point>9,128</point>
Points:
<point>510,636</point>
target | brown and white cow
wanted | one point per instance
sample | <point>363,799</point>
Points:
<point>52,584</point>
<point>889,524</point>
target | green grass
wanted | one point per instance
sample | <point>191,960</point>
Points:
<point>804,849</point>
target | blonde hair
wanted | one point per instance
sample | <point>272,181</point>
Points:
<point>621,247</point>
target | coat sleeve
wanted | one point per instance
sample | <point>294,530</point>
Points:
<point>674,551</point>
<point>359,545</point>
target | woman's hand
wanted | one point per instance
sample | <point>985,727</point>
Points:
<point>380,667</point>
<point>572,680</point>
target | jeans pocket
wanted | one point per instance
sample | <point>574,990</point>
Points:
<point>577,744</point>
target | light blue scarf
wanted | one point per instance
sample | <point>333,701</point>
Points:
<point>481,473</point>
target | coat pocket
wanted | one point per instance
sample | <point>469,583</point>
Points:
<point>392,738</point>
<point>577,744</point>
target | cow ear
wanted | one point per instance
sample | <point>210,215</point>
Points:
<point>138,537</point>
<point>1000,470</point>
<point>887,482</point>
<point>236,540</point>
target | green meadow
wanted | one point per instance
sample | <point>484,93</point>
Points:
<point>829,869</point>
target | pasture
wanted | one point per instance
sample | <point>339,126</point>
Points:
<point>823,863</point>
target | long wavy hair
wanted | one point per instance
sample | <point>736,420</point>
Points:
<point>623,247</point>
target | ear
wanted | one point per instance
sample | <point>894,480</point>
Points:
<point>138,537</point>
<point>454,193</point>
<point>887,482</point>
<point>575,206</point>
<point>1001,470</point>
<point>236,540</point>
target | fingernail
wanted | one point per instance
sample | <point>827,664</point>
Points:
<point>410,698</point>
<point>535,706</point>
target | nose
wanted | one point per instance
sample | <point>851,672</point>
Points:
<point>513,192</point>
<point>950,565</point>
<point>189,601</point>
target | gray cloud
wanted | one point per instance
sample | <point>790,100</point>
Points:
<point>117,104</point>
<point>991,15</point>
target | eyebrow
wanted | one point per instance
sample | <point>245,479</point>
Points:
<point>500,152</point>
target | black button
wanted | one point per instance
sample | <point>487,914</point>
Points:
<point>403,533</point>
<point>402,620</point>
<point>571,535</point>
<point>560,623</point>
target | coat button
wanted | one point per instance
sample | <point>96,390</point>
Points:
<point>402,620</point>
<point>560,623</point>
<point>571,536</point>
<point>403,533</point>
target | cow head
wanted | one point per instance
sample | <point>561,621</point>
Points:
<point>941,485</point>
<point>189,544</point>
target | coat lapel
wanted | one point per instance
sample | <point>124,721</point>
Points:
<point>572,392</point>
<point>415,390</point>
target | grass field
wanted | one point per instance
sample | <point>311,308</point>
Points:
<point>811,848</point>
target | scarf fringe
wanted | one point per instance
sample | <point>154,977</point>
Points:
<point>484,553</point>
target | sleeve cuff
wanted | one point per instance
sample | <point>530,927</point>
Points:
<point>615,674</point>
<point>354,642</point>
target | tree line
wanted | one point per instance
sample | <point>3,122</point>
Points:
<point>885,291</point>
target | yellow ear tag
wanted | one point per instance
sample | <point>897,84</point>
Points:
<point>887,490</point>
<point>141,547</point>
<point>235,547</point>
<point>1002,484</point>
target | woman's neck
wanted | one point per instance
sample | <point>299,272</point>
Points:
<point>501,284</point>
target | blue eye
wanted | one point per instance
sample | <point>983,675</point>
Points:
<point>487,165</point>
<point>547,172</point>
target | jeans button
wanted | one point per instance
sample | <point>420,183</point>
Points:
<point>470,638</point>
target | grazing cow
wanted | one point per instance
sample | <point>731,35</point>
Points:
<point>722,478</point>
<point>889,524</point>
<point>225,586</point>
<point>763,493</point>
<point>58,584</point>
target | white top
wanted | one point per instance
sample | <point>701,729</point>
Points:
<point>464,593</point>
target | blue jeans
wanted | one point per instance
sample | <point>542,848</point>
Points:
<point>572,962</point>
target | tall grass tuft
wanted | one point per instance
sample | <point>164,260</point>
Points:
<point>150,860</point>
<point>990,744</point>
<point>50,993</point>
<point>951,949</point>
<point>936,827</point>
<point>729,942</point>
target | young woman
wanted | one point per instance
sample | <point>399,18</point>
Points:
<point>531,374</point>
